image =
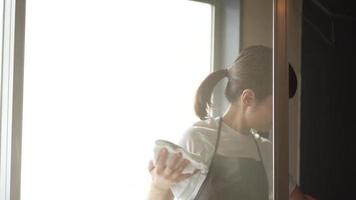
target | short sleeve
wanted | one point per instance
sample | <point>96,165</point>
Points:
<point>199,142</point>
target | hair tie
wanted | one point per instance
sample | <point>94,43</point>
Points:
<point>227,74</point>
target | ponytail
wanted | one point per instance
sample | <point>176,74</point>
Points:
<point>251,70</point>
<point>204,92</point>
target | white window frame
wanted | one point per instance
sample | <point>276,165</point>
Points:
<point>225,39</point>
<point>11,87</point>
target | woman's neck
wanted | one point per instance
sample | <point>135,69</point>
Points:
<point>233,117</point>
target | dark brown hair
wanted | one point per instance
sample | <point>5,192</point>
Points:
<point>251,70</point>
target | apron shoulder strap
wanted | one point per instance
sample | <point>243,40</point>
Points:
<point>212,159</point>
<point>258,149</point>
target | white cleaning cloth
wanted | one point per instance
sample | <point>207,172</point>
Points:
<point>196,161</point>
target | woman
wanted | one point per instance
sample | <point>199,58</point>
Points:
<point>240,162</point>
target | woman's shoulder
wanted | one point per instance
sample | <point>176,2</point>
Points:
<point>209,123</point>
<point>202,130</point>
<point>200,138</point>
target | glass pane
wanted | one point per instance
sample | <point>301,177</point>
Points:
<point>104,80</point>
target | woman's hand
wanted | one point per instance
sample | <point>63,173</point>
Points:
<point>166,175</point>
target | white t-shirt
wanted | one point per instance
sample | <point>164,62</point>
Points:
<point>201,138</point>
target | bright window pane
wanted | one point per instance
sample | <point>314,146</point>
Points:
<point>103,80</point>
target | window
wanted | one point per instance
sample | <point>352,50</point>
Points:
<point>102,82</point>
<point>92,69</point>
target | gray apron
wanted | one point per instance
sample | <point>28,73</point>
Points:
<point>232,178</point>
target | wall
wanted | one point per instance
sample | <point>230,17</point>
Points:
<point>294,59</point>
<point>327,105</point>
<point>256,22</point>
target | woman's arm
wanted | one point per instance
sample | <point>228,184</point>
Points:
<point>165,176</point>
<point>159,194</point>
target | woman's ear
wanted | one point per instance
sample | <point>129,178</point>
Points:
<point>248,97</point>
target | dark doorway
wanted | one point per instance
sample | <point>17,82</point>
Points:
<point>328,145</point>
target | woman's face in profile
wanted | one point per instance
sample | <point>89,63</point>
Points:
<point>260,115</point>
